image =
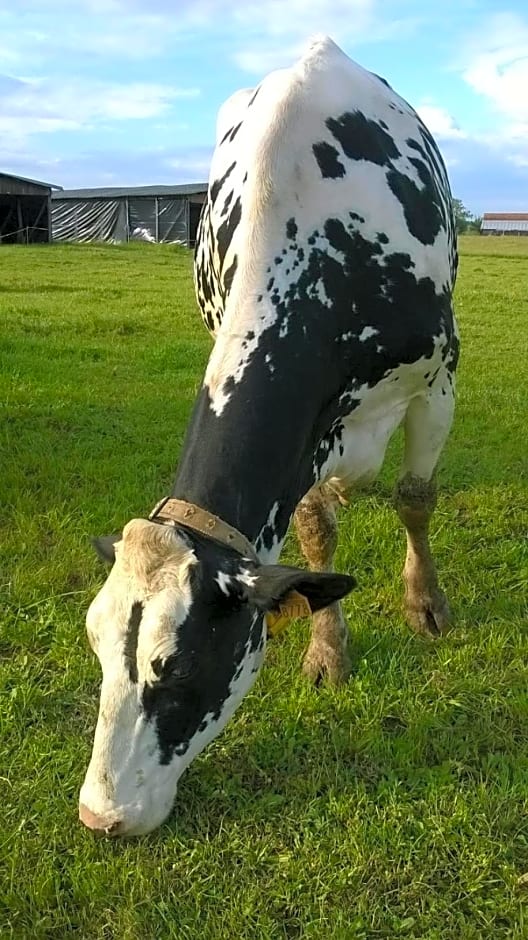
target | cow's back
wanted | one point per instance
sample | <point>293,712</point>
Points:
<point>322,156</point>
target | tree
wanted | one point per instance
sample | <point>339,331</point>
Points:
<point>462,216</point>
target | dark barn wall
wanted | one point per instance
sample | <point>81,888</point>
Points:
<point>25,211</point>
<point>24,219</point>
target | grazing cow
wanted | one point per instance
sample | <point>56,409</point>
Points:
<point>325,265</point>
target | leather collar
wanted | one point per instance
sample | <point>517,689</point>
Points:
<point>170,509</point>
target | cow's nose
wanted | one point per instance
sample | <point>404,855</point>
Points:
<point>100,824</point>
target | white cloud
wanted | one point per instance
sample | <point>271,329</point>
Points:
<point>260,35</point>
<point>505,144</point>
<point>36,106</point>
<point>61,31</point>
<point>276,31</point>
<point>498,65</point>
<point>64,33</point>
<point>191,165</point>
<point>441,124</point>
<point>259,60</point>
<point>303,17</point>
<point>485,177</point>
<point>493,62</point>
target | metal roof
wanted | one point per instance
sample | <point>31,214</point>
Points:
<point>115,192</point>
<point>505,225</point>
<point>508,216</point>
<point>25,179</point>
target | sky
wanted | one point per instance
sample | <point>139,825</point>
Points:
<point>125,92</point>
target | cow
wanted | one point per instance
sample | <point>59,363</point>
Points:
<point>325,264</point>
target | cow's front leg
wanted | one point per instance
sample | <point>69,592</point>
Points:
<point>327,656</point>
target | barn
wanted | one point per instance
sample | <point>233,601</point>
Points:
<point>504,223</point>
<point>25,213</point>
<point>117,214</point>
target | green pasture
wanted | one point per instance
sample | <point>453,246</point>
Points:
<point>396,806</point>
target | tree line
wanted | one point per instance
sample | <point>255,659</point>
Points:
<point>465,220</point>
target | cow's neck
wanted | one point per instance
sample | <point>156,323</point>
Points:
<point>251,461</point>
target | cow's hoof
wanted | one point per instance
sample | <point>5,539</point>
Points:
<point>429,613</point>
<point>324,663</point>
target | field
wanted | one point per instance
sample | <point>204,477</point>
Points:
<point>394,807</point>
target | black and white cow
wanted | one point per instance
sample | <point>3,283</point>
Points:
<point>325,266</point>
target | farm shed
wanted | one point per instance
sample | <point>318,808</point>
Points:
<point>25,213</point>
<point>504,223</point>
<point>113,214</point>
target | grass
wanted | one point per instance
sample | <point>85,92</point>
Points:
<point>395,807</point>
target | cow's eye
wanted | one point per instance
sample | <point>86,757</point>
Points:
<point>177,667</point>
<point>185,669</point>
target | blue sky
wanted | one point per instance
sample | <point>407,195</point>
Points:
<point>125,92</point>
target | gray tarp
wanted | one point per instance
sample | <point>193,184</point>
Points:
<point>119,220</point>
<point>173,220</point>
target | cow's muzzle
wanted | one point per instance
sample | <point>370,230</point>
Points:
<point>101,825</point>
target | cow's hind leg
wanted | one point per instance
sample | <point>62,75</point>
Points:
<point>427,425</point>
<point>327,656</point>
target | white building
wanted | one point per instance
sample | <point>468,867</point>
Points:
<point>504,223</point>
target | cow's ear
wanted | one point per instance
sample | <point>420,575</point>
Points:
<point>270,586</point>
<point>105,547</point>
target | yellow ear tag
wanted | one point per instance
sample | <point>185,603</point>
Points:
<point>293,606</point>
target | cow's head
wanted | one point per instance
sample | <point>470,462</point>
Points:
<point>179,630</point>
